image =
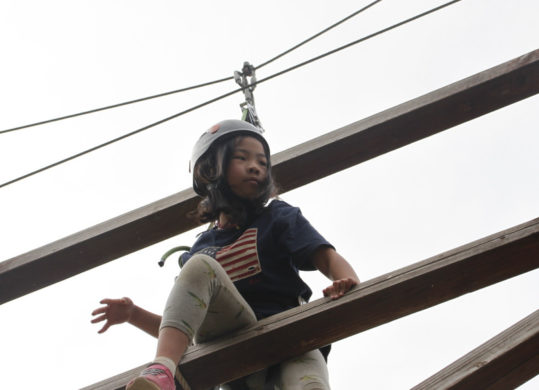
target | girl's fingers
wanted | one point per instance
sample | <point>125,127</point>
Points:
<point>108,301</point>
<point>104,314</point>
<point>104,328</point>
<point>339,288</point>
<point>99,319</point>
<point>99,310</point>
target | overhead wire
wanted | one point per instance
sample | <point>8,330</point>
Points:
<point>121,137</point>
<point>379,32</point>
<point>234,91</point>
<point>317,34</point>
<point>116,105</point>
<point>188,88</point>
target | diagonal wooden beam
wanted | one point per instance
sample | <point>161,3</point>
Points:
<point>391,129</point>
<point>504,362</point>
<point>375,302</point>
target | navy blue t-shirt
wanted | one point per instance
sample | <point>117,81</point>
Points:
<point>263,259</point>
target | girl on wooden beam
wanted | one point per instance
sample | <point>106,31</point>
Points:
<point>242,270</point>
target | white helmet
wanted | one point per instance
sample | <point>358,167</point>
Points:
<point>216,132</point>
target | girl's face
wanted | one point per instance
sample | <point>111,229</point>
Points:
<point>247,169</point>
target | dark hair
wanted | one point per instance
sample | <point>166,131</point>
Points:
<point>210,174</point>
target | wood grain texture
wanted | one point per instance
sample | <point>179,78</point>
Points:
<point>504,362</point>
<point>381,300</point>
<point>340,149</point>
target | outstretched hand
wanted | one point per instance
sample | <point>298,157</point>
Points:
<point>116,311</point>
<point>339,288</point>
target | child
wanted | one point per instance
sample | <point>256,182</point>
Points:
<point>242,270</point>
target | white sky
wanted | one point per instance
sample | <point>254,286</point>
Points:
<point>62,57</point>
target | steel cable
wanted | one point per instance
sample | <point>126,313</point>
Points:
<point>115,105</point>
<point>233,92</point>
<point>317,35</point>
<point>187,88</point>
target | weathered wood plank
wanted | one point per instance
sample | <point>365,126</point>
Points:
<point>504,362</point>
<point>375,302</point>
<point>391,129</point>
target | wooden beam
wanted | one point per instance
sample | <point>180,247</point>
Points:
<point>96,246</point>
<point>409,122</point>
<point>504,362</point>
<point>375,302</point>
<point>391,129</point>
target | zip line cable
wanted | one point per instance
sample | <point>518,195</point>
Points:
<point>232,92</point>
<point>188,88</point>
<point>317,35</point>
<point>116,105</point>
<point>121,137</point>
<point>357,41</point>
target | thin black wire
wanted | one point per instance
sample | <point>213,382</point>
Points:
<point>317,35</point>
<point>120,137</point>
<point>232,92</point>
<point>188,88</point>
<point>115,105</point>
<point>358,41</point>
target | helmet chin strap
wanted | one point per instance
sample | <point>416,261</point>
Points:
<point>246,79</point>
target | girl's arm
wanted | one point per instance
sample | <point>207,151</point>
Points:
<point>118,311</point>
<point>336,268</point>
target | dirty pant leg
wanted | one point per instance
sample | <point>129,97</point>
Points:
<point>306,372</point>
<point>204,303</point>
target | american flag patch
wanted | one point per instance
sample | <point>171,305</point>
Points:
<point>240,259</point>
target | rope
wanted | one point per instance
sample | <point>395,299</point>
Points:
<point>181,380</point>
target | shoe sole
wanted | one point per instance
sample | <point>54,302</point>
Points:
<point>143,384</point>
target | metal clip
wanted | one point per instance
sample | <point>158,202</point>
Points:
<point>246,79</point>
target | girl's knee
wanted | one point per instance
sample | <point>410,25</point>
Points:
<point>200,266</point>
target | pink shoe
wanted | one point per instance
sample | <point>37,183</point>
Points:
<point>155,377</point>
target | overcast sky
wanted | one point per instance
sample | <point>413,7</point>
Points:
<point>62,57</point>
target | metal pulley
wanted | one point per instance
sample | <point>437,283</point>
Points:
<point>246,79</point>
